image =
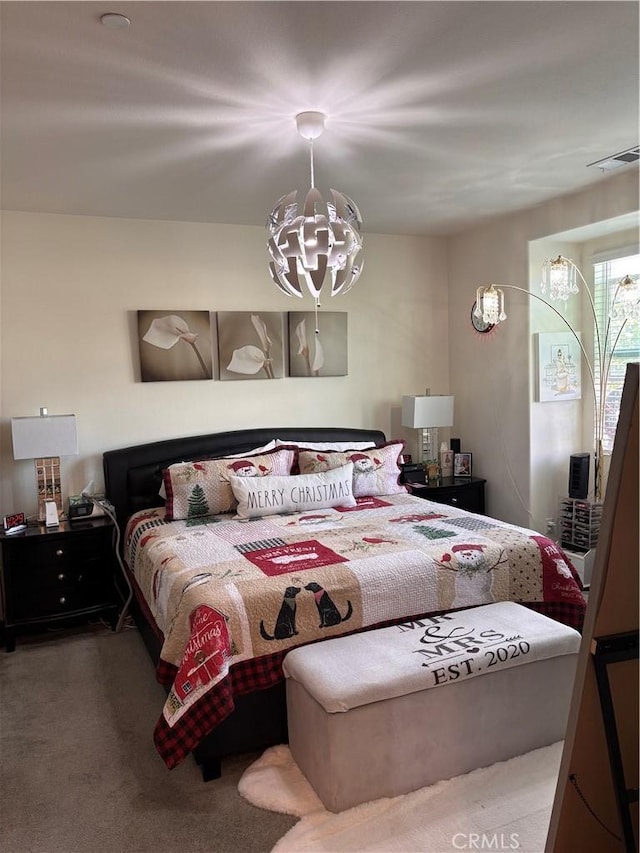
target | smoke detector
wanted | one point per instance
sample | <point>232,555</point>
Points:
<point>623,158</point>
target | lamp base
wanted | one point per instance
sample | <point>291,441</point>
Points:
<point>49,490</point>
<point>427,444</point>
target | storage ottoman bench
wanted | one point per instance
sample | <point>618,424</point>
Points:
<point>388,711</point>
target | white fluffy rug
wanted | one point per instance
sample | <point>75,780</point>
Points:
<point>503,807</point>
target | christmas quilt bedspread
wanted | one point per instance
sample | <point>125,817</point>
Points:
<point>231,597</point>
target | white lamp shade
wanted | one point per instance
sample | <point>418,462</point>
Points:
<point>49,435</point>
<point>427,412</point>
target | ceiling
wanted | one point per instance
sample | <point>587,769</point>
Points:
<point>439,114</point>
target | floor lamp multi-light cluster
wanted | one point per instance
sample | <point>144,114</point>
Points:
<point>560,278</point>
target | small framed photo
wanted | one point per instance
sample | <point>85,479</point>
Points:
<point>462,464</point>
<point>446,463</point>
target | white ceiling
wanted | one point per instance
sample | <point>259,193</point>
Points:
<point>439,113</point>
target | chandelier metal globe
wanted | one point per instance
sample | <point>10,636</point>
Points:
<point>318,240</point>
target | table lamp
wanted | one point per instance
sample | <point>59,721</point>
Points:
<point>426,414</point>
<point>45,439</point>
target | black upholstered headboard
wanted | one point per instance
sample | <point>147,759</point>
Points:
<point>133,475</point>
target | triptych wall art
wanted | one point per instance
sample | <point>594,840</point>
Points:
<point>179,345</point>
<point>250,346</point>
<point>175,345</point>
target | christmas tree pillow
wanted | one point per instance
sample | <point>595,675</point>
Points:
<point>301,493</point>
<point>196,489</point>
<point>375,471</point>
<point>270,445</point>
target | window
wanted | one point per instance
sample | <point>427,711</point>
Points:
<point>607,275</point>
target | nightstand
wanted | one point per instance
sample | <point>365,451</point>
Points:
<point>463,492</point>
<point>56,575</point>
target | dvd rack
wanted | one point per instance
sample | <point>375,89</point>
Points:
<point>579,523</point>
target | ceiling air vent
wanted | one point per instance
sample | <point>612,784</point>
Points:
<point>631,155</point>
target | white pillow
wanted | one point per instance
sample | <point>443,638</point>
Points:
<point>270,445</point>
<point>328,445</point>
<point>258,496</point>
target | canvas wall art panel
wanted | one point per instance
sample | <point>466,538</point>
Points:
<point>175,345</point>
<point>559,361</point>
<point>324,353</point>
<point>250,344</point>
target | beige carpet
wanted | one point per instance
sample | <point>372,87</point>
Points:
<point>80,773</point>
<point>503,807</point>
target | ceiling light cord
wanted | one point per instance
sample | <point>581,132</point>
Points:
<point>313,180</point>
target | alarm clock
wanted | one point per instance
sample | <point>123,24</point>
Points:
<point>15,522</point>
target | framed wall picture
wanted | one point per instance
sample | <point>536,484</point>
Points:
<point>250,344</point>
<point>175,345</point>
<point>462,464</point>
<point>558,367</point>
<point>321,353</point>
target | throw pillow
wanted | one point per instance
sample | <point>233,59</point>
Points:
<point>375,471</point>
<point>200,488</point>
<point>271,495</point>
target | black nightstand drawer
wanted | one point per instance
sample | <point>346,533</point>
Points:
<point>61,589</point>
<point>463,492</point>
<point>61,550</point>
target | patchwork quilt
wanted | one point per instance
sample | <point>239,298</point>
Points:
<point>232,596</point>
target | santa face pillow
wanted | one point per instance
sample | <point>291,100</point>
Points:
<point>197,489</point>
<point>375,471</point>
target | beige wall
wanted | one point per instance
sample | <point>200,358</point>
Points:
<point>70,287</point>
<point>555,428</point>
<point>492,375</point>
<point>70,290</point>
<point>559,429</point>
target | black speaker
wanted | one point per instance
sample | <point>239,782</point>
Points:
<point>579,475</point>
<point>454,444</point>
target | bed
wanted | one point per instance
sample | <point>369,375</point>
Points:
<point>319,538</point>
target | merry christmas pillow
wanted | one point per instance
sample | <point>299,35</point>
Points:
<point>271,495</point>
<point>375,471</point>
<point>196,489</point>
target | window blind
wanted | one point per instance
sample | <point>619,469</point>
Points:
<point>607,275</point>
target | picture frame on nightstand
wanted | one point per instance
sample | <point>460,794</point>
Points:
<point>462,464</point>
<point>446,463</point>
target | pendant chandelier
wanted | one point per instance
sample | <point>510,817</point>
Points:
<point>318,239</point>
